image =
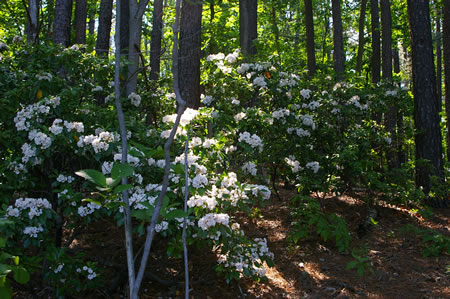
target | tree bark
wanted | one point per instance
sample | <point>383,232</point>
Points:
<point>446,46</point>
<point>426,110</point>
<point>248,24</point>
<point>32,25</point>
<point>104,27</point>
<point>438,58</point>
<point>310,46</point>
<point>124,26</point>
<point>61,25</point>
<point>80,21</point>
<point>155,46</point>
<point>362,20</point>
<point>376,49</point>
<point>338,39</point>
<point>91,23</point>
<point>190,52</point>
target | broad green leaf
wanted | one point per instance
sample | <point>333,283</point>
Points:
<point>93,175</point>
<point>121,188</point>
<point>351,265</point>
<point>120,171</point>
<point>175,214</point>
<point>145,214</point>
<point>5,291</point>
<point>92,200</point>
<point>2,242</point>
<point>4,269</point>
<point>21,275</point>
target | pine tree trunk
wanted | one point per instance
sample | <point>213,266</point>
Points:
<point>426,110</point>
<point>61,25</point>
<point>155,46</point>
<point>376,49</point>
<point>91,23</point>
<point>32,25</point>
<point>190,52</point>
<point>124,26</point>
<point>438,58</point>
<point>338,40</point>
<point>248,13</point>
<point>310,46</point>
<point>446,46</point>
<point>80,21</point>
<point>362,20</point>
<point>104,27</point>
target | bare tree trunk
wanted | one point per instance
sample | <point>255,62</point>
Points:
<point>438,58</point>
<point>310,45</point>
<point>91,23</point>
<point>338,40</point>
<point>61,26</point>
<point>396,57</point>
<point>376,49</point>
<point>426,110</point>
<point>32,25</point>
<point>155,46</point>
<point>248,13</point>
<point>446,46</point>
<point>362,20</point>
<point>104,27</point>
<point>80,21</point>
<point>124,26</point>
<point>190,52</point>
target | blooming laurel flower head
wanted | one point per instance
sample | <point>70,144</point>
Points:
<point>260,81</point>
<point>187,116</point>
<point>314,166</point>
<point>305,93</point>
<point>206,100</point>
<point>249,167</point>
<point>135,99</point>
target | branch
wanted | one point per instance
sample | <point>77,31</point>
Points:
<point>167,145</point>
<point>123,137</point>
<point>183,236</point>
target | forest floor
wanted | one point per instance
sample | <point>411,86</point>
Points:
<point>310,269</point>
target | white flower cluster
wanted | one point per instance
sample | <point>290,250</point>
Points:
<point>392,92</point>
<point>250,168</point>
<point>305,93</point>
<point>98,142</point>
<point>308,120</point>
<point>262,190</point>
<point>34,204</point>
<point>314,166</point>
<point>135,99</point>
<point>59,268</point>
<point>229,180</point>
<point>293,163</point>
<point>89,209</point>
<point>91,273</point>
<point>299,131</point>
<point>28,152</point>
<point>287,82</point>
<point>139,196</point>
<point>311,106</point>
<point>187,116</point>
<point>97,88</point>
<point>211,219</point>
<point>259,81</point>
<point>280,113</point>
<point>77,126</point>
<point>206,100</point>
<point>243,68</point>
<point>200,181</point>
<point>40,138</point>
<point>33,231</point>
<point>232,57</point>
<point>253,140</point>
<point>22,117</point>
<point>44,76</point>
<point>355,101</point>
<point>202,201</point>
<point>238,117</point>
<point>164,225</point>
<point>63,179</point>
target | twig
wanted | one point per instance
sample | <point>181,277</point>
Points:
<point>167,145</point>
<point>183,236</point>
<point>123,137</point>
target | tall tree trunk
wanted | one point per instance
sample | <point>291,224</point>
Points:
<point>190,52</point>
<point>248,24</point>
<point>50,16</point>
<point>376,49</point>
<point>104,27</point>
<point>80,21</point>
<point>91,23</point>
<point>134,47</point>
<point>426,110</point>
<point>446,45</point>
<point>155,46</point>
<point>124,26</point>
<point>32,25</point>
<point>338,39</point>
<point>310,46</point>
<point>61,25</point>
<point>275,29</point>
<point>396,57</point>
<point>438,57</point>
<point>362,20</point>
<point>391,115</point>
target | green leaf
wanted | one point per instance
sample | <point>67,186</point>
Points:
<point>175,214</point>
<point>2,242</point>
<point>92,200</point>
<point>4,269</point>
<point>121,188</point>
<point>351,265</point>
<point>21,275</point>
<point>16,260</point>
<point>120,171</point>
<point>94,176</point>
<point>144,214</point>
<point>5,291</point>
